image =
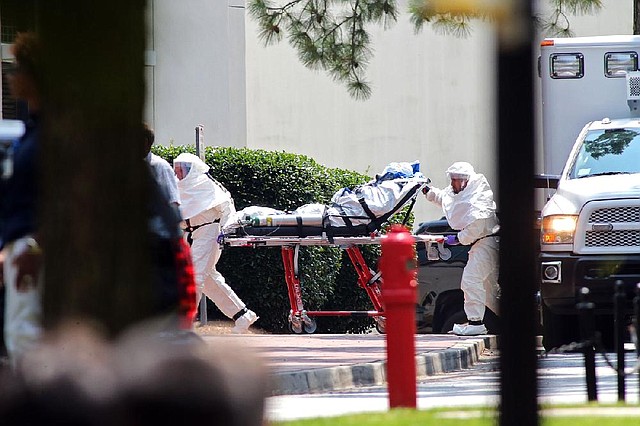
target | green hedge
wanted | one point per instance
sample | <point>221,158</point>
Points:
<point>286,181</point>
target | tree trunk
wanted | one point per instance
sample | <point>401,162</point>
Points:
<point>93,205</point>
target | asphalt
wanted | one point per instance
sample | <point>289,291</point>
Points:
<point>315,363</point>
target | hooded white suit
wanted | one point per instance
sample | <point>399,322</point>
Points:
<point>472,212</point>
<point>206,202</point>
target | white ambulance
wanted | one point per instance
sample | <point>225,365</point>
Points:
<point>590,225</point>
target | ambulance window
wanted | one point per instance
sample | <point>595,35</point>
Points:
<point>566,65</point>
<point>617,64</point>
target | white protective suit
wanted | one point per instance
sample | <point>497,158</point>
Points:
<point>472,212</point>
<point>206,202</point>
<point>23,309</point>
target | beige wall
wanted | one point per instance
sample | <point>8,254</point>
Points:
<point>198,76</point>
<point>432,101</point>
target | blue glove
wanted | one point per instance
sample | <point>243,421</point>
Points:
<point>451,240</point>
<point>220,238</point>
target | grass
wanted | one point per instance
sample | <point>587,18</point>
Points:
<point>585,415</point>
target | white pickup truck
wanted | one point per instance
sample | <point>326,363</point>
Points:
<point>590,225</point>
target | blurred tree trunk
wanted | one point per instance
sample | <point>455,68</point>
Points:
<point>93,219</point>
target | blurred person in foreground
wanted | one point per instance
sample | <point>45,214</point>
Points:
<point>160,168</point>
<point>21,253</point>
<point>76,377</point>
<point>172,267</point>
<point>207,207</point>
<point>469,208</point>
<point>167,383</point>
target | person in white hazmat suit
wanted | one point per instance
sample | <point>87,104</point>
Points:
<point>469,208</point>
<point>207,207</point>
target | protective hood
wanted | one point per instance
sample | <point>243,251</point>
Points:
<point>197,191</point>
<point>474,202</point>
<point>460,170</point>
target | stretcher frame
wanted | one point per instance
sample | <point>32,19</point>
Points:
<point>301,320</point>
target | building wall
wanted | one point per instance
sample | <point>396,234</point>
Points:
<point>198,76</point>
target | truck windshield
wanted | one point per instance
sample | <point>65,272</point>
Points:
<point>608,152</point>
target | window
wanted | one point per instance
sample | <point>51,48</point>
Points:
<point>566,65</point>
<point>607,152</point>
<point>617,64</point>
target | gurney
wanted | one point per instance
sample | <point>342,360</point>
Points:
<point>301,320</point>
<point>355,217</point>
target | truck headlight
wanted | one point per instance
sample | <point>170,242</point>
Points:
<point>558,229</point>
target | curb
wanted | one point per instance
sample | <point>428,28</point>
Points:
<point>461,355</point>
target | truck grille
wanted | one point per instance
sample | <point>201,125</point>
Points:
<point>618,214</point>
<point>614,238</point>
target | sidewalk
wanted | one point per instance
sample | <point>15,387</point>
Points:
<point>313,363</point>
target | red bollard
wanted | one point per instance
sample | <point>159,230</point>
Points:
<point>398,266</point>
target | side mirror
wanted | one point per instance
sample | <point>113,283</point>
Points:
<point>545,181</point>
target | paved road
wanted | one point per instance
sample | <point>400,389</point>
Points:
<point>311,363</point>
<point>561,381</point>
<point>324,375</point>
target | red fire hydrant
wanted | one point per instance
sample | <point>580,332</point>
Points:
<point>398,266</point>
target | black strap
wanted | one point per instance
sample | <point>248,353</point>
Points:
<point>406,216</point>
<point>376,223</point>
<point>495,234</point>
<point>218,183</point>
<point>366,209</point>
<point>345,217</point>
<point>240,313</point>
<point>190,229</point>
<point>299,223</point>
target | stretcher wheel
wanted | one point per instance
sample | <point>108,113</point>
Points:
<point>296,329</point>
<point>310,326</point>
<point>381,325</point>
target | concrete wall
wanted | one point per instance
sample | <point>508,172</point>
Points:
<point>432,101</point>
<point>198,76</point>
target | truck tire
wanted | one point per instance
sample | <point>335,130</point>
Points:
<point>448,304</point>
<point>558,329</point>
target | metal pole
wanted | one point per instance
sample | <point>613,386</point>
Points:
<point>619,300</point>
<point>200,153</point>
<point>636,323</point>
<point>587,335</point>
<point>200,141</point>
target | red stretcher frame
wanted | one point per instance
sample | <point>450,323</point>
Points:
<point>300,319</point>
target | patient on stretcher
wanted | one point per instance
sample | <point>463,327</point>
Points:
<point>352,212</point>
